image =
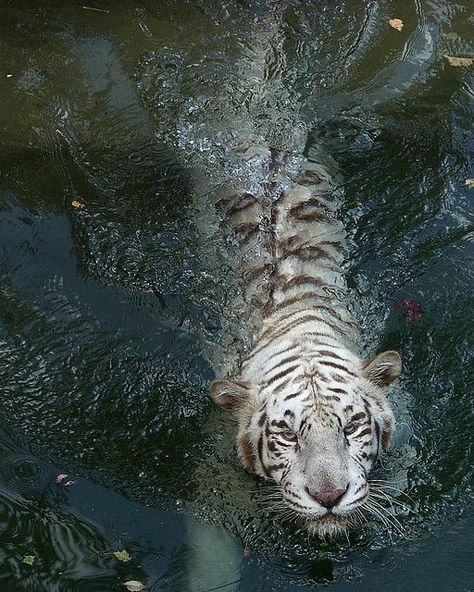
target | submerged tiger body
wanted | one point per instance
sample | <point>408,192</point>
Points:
<point>313,415</point>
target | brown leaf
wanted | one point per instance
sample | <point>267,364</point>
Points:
<point>459,61</point>
<point>396,23</point>
<point>77,204</point>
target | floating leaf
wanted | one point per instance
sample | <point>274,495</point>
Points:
<point>29,559</point>
<point>133,586</point>
<point>122,555</point>
<point>411,309</point>
<point>77,204</point>
<point>469,183</point>
<point>396,23</point>
<point>61,480</point>
<point>95,9</point>
<point>459,61</point>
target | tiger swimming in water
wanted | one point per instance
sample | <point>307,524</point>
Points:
<point>313,415</point>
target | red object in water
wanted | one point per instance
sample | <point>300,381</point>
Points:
<point>411,309</point>
<point>246,554</point>
<point>61,480</point>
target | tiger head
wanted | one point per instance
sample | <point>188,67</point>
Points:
<point>315,428</point>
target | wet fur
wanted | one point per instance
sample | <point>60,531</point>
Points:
<point>304,374</point>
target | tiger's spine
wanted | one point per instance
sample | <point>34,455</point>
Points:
<point>297,279</point>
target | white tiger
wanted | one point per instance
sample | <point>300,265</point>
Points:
<point>313,416</point>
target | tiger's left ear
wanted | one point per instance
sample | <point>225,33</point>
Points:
<point>229,394</point>
<point>383,369</point>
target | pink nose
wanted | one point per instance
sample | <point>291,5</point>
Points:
<point>327,497</point>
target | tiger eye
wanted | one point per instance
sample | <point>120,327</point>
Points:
<point>350,429</point>
<point>289,436</point>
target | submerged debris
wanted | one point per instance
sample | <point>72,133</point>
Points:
<point>410,309</point>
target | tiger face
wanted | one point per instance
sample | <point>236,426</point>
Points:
<point>315,432</point>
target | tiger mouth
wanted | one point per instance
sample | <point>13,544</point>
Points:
<point>329,525</point>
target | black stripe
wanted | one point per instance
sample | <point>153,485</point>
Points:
<point>377,437</point>
<point>300,280</point>
<point>302,320</point>
<point>280,319</point>
<point>310,253</point>
<point>279,353</point>
<point>260,456</point>
<point>331,354</point>
<point>300,297</point>
<point>336,366</point>
<point>336,315</point>
<point>273,468</point>
<point>281,386</point>
<point>280,424</point>
<point>254,272</point>
<point>281,374</point>
<point>247,201</point>
<point>246,230</point>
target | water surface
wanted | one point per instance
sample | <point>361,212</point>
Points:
<point>108,313</point>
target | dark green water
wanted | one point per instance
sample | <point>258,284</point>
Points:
<point>105,311</point>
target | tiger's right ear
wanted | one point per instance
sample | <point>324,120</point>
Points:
<point>229,394</point>
<point>383,369</point>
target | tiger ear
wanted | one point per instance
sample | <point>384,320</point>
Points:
<point>383,369</point>
<point>229,394</point>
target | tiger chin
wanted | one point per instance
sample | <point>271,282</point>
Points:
<point>314,432</point>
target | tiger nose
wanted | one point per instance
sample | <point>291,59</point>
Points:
<point>327,497</point>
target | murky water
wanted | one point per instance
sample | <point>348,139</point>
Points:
<point>108,313</point>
